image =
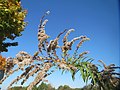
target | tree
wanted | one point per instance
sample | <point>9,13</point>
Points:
<point>43,86</point>
<point>35,88</point>
<point>50,87</point>
<point>48,61</point>
<point>12,23</point>
<point>16,88</point>
<point>65,87</point>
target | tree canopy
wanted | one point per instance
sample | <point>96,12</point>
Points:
<point>12,23</point>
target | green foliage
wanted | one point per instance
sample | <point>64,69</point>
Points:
<point>18,88</point>
<point>42,86</point>
<point>12,22</point>
<point>84,65</point>
<point>107,79</point>
<point>65,87</point>
<point>45,86</point>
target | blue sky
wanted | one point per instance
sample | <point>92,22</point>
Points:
<point>97,19</point>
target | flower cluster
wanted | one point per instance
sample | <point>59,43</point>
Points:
<point>46,60</point>
<point>28,64</point>
<point>42,36</point>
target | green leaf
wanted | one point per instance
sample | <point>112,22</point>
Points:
<point>1,25</point>
<point>87,73</point>
<point>73,74</point>
<point>92,77</point>
<point>82,72</point>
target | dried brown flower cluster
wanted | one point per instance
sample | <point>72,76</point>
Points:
<point>26,62</point>
<point>47,57</point>
<point>108,75</point>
